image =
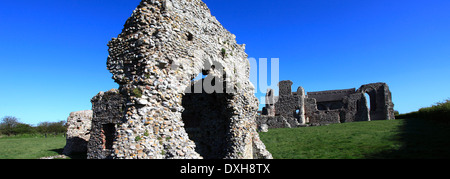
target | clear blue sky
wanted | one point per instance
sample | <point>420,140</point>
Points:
<point>53,52</point>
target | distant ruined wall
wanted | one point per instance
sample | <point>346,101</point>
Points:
<point>78,132</point>
<point>327,107</point>
<point>331,95</point>
<point>287,103</point>
<point>356,108</point>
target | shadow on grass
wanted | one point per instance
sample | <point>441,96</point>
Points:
<point>420,139</point>
<point>72,156</point>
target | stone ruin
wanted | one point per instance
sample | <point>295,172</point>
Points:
<point>78,132</point>
<point>108,109</point>
<point>159,110</point>
<point>294,109</point>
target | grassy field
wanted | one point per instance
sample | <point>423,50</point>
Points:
<point>27,147</point>
<point>394,139</point>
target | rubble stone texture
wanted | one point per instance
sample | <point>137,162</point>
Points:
<point>78,132</point>
<point>108,109</point>
<point>164,45</point>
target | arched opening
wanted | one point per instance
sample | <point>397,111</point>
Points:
<point>371,103</point>
<point>297,114</point>
<point>207,120</point>
<point>368,101</point>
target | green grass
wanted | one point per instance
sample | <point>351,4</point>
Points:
<point>413,138</point>
<point>394,139</point>
<point>28,147</point>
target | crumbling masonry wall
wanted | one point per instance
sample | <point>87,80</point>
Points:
<point>108,110</point>
<point>163,46</point>
<point>336,106</point>
<point>290,104</point>
<point>78,132</point>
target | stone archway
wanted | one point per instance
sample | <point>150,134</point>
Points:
<point>381,106</point>
<point>371,102</point>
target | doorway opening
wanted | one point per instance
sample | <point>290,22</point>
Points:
<point>368,101</point>
<point>108,135</point>
<point>207,119</point>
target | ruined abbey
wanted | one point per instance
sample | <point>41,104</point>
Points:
<point>161,112</point>
<point>293,109</point>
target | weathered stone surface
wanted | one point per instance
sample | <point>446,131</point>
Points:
<point>78,132</point>
<point>325,117</point>
<point>289,104</point>
<point>263,128</point>
<point>274,122</point>
<point>166,115</point>
<point>330,95</point>
<point>356,108</point>
<point>108,110</point>
<point>269,110</point>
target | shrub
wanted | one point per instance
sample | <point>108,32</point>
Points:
<point>224,53</point>
<point>8,125</point>
<point>438,112</point>
<point>52,127</point>
<point>137,92</point>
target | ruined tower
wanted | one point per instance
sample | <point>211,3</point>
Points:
<point>164,45</point>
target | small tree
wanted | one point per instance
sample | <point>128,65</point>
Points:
<point>57,127</point>
<point>43,127</point>
<point>8,124</point>
<point>52,127</point>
